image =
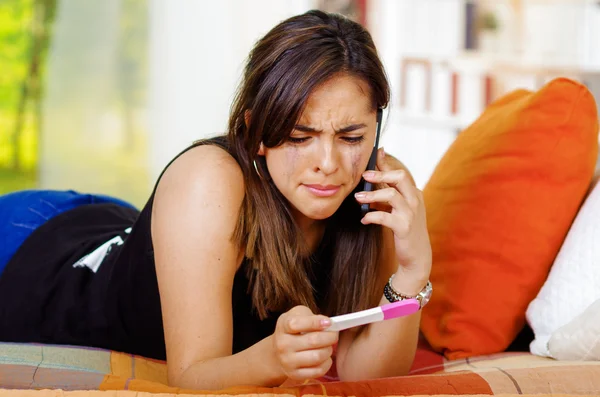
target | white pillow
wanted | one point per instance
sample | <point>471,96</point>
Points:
<point>579,340</point>
<point>573,283</point>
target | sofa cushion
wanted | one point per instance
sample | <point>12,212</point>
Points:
<point>499,204</point>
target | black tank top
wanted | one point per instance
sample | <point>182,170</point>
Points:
<point>45,299</point>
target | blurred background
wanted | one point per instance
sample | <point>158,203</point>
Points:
<point>98,95</point>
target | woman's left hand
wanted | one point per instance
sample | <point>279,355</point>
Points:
<point>399,205</point>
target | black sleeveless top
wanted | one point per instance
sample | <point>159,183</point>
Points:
<point>45,299</point>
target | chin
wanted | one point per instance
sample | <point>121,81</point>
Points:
<point>319,213</point>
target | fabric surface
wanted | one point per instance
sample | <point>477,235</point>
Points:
<point>112,393</point>
<point>27,366</point>
<point>499,205</point>
<point>24,211</point>
<point>573,283</point>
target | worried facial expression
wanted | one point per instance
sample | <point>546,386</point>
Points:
<point>322,161</point>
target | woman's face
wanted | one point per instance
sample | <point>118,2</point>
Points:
<point>322,161</point>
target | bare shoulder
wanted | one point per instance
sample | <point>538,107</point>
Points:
<point>204,187</point>
<point>203,169</point>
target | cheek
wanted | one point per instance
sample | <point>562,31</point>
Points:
<point>292,159</point>
<point>288,161</point>
<point>358,164</point>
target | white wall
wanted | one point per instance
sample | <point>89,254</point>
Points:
<point>197,53</point>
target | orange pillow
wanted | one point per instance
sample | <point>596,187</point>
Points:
<point>499,205</point>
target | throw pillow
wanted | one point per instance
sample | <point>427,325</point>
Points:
<point>499,205</point>
<point>574,280</point>
<point>579,340</point>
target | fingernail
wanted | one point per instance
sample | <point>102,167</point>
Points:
<point>381,152</point>
<point>360,195</point>
<point>325,322</point>
<point>368,174</point>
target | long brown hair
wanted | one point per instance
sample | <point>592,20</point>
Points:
<point>282,70</point>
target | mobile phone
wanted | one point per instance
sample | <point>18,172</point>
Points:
<point>368,186</point>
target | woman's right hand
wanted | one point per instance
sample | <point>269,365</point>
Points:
<point>302,348</point>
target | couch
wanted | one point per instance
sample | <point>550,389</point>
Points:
<point>66,370</point>
<point>510,210</point>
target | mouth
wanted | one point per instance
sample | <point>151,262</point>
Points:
<point>323,190</point>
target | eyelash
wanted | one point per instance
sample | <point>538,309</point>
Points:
<point>297,141</point>
<point>354,139</point>
<point>349,139</point>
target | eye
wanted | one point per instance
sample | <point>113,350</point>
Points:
<point>298,140</point>
<point>354,139</point>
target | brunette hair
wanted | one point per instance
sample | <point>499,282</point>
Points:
<point>283,68</point>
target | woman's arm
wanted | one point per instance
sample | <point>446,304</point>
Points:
<point>386,348</point>
<point>194,215</point>
<point>249,367</point>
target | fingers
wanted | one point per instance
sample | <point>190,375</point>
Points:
<point>316,340</point>
<point>398,179</point>
<point>301,354</point>
<point>388,220</point>
<point>311,372</point>
<point>381,207</point>
<point>312,341</point>
<point>301,320</point>
<point>302,346</point>
<point>402,214</point>
<point>387,162</point>
<point>307,358</point>
<point>389,196</point>
<point>382,164</point>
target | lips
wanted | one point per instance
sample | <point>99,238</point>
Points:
<point>323,190</point>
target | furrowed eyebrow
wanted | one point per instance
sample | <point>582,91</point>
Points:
<point>304,128</point>
<point>350,128</point>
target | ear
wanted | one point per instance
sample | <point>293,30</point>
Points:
<point>247,117</point>
<point>261,149</point>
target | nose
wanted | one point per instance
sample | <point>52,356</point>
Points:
<point>327,157</point>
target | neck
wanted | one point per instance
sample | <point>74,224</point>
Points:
<point>311,229</point>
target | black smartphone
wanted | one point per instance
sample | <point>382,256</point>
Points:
<point>368,186</point>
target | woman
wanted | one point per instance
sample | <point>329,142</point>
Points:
<point>249,242</point>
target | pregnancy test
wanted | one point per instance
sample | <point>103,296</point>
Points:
<point>385,312</point>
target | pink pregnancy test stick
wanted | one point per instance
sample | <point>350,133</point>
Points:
<point>385,312</point>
